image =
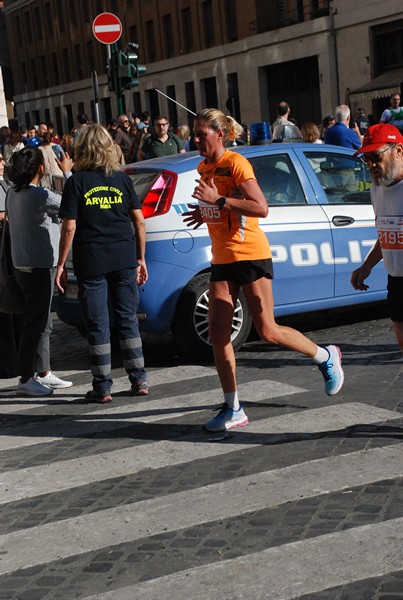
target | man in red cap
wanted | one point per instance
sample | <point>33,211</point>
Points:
<point>382,151</point>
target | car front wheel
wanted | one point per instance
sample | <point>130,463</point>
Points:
<point>190,325</point>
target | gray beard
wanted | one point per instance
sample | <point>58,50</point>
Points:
<point>388,177</point>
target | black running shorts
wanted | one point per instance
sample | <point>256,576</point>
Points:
<point>243,271</point>
<point>395,298</point>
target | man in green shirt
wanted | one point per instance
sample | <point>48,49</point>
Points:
<point>162,143</point>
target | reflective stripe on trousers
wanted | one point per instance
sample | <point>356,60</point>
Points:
<point>116,292</point>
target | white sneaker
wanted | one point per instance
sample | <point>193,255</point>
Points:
<point>53,382</point>
<point>34,388</point>
<point>226,419</point>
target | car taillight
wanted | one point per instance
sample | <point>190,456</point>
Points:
<point>158,200</point>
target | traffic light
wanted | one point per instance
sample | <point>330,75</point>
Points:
<point>128,68</point>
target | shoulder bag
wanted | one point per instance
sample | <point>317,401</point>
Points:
<point>11,296</point>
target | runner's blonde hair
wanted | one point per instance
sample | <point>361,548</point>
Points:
<point>216,120</point>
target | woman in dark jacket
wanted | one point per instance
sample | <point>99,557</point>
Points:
<point>35,234</point>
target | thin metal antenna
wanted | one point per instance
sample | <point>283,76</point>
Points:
<point>178,103</point>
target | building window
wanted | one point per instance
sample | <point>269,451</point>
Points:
<point>86,15</point>
<point>208,27</point>
<point>168,35</point>
<point>44,72</point>
<point>66,65</point>
<point>388,46</point>
<point>297,82</point>
<point>90,56</point>
<point>133,34</point>
<point>190,101</point>
<point>209,91</point>
<point>55,69</point>
<point>106,109</point>
<point>152,103</point>
<point>34,75</point>
<point>59,126</point>
<point>24,83</point>
<point>232,103</point>
<point>69,116</point>
<point>49,19</point>
<point>28,27</point>
<point>150,41</point>
<point>38,24</point>
<point>230,18</point>
<point>73,14</point>
<point>78,62</point>
<point>172,108</point>
<point>61,18</point>
<point>18,30</point>
<point>187,31</point>
<point>137,102</point>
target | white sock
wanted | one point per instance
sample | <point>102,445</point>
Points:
<point>231,399</point>
<point>321,355</point>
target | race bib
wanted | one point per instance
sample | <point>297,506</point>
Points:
<point>211,214</point>
<point>390,233</point>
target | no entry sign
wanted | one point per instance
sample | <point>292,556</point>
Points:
<point>107,28</point>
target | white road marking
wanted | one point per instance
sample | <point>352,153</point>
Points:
<point>285,572</point>
<point>180,510</point>
<point>67,474</point>
<point>117,417</point>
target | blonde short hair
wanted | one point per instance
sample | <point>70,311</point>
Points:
<point>94,149</point>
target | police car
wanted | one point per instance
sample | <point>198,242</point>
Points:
<point>320,227</point>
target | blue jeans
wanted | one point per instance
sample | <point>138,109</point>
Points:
<point>120,288</point>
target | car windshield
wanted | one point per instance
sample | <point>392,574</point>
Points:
<point>344,179</point>
<point>278,180</point>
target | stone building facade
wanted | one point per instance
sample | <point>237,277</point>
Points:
<point>240,55</point>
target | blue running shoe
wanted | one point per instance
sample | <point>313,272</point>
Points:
<point>332,372</point>
<point>226,419</point>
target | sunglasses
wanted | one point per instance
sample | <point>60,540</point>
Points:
<point>374,157</point>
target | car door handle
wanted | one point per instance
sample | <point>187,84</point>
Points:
<point>340,221</point>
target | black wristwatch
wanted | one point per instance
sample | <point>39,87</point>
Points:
<point>221,202</point>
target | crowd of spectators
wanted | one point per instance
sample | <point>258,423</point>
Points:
<point>137,137</point>
<point>129,132</point>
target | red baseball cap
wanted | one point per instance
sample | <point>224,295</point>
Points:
<point>379,135</point>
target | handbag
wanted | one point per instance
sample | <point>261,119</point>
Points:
<point>12,299</point>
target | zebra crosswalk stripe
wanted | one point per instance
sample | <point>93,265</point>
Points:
<point>286,571</point>
<point>90,423</point>
<point>67,474</point>
<point>168,513</point>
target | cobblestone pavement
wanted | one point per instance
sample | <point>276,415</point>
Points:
<point>134,501</point>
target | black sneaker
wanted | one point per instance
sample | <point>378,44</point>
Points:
<point>100,397</point>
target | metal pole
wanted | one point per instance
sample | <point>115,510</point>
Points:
<point>96,94</point>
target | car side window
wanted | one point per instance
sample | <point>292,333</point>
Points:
<point>344,178</point>
<point>278,179</point>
